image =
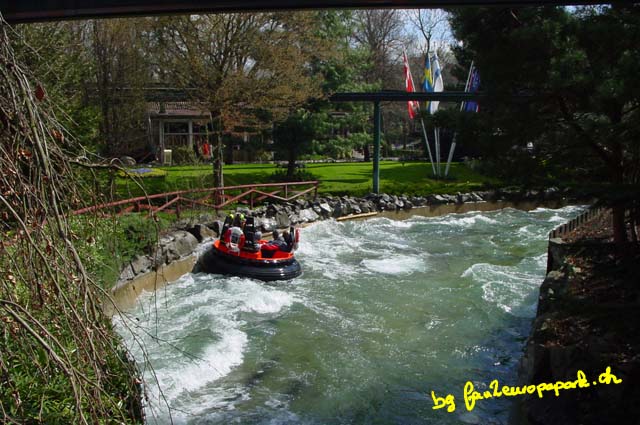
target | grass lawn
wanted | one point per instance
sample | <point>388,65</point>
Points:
<point>412,178</point>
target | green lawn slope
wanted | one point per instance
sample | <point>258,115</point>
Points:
<point>356,179</point>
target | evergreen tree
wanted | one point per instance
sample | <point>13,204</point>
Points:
<point>563,81</point>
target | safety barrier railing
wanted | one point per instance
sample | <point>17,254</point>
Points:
<point>571,225</point>
<point>212,198</point>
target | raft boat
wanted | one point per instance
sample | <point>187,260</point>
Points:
<point>236,254</point>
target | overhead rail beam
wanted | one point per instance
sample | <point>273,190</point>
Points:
<point>25,11</point>
<point>399,96</point>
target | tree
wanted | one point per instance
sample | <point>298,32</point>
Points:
<point>381,33</point>
<point>579,70</point>
<point>433,25</point>
<point>57,55</point>
<point>294,136</point>
<point>344,71</point>
<point>121,70</point>
<point>243,65</point>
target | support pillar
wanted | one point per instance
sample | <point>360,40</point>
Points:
<point>376,146</point>
<point>161,139</point>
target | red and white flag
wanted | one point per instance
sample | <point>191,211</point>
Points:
<point>414,106</point>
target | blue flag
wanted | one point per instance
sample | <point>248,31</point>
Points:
<point>474,84</point>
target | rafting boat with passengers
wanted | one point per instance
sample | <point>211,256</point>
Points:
<point>241,251</point>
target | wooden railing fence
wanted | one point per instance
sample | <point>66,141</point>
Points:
<point>211,198</point>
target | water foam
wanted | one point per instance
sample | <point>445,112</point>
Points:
<point>467,221</point>
<point>206,307</point>
<point>230,326</point>
<point>395,264</point>
<point>506,286</point>
<point>218,360</point>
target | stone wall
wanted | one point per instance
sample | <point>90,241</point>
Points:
<point>587,310</point>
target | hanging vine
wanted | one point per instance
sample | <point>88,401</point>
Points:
<point>60,359</point>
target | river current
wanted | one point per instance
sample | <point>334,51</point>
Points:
<point>385,312</point>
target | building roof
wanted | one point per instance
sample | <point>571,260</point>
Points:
<point>177,110</point>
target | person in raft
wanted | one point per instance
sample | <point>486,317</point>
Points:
<point>232,233</point>
<point>277,244</point>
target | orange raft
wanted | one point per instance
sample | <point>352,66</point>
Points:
<point>261,264</point>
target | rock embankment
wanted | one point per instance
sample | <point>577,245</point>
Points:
<point>181,242</point>
<point>170,247</point>
<point>307,211</point>
<point>587,320</point>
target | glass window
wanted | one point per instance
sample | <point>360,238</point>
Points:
<point>176,127</point>
<point>199,128</point>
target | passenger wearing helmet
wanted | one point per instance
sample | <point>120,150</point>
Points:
<point>239,220</point>
<point>277,244</point>
<point>288,239</point>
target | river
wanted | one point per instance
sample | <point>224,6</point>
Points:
<point>385,312</point>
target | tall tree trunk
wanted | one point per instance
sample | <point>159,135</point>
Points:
<point>367,153</point>
<point>291,166</point>
<point>229,153</point>
<point>218,156</point>
<point>619,227</point>
<point>618,210</point>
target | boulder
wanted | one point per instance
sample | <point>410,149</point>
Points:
<point>552,193</point>
<point>260,211</point>
<point>327,211</point>
<point>461,198</point>
<point>215,226</point>
<point>308,215</point>
<point>173,246</point>
<point>475,197</point>
<point>273,210</point>
<point>436,199</point>
<point>532,194</point>
<point>282,219</point>
<point>243,210</point>
<point>266,225</point>
<point>294,219</point>
<point>140,264</point>
<point>184,243</point>
<point>126,274</point>
<point>202,232</point>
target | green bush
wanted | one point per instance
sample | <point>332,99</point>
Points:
<point>112,242</point>
<point>184,155</point>
<point>280,176</point>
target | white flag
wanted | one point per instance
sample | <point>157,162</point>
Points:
<point>438,85</point>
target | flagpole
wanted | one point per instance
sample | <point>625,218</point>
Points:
<point>436,132</point>
<point>453,147</point>
<point>410,87</point>
<point>426,140</point>
<point>453,142</point>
